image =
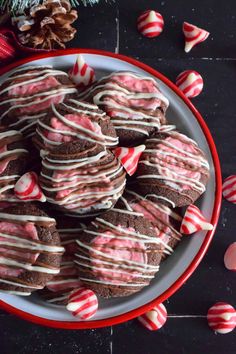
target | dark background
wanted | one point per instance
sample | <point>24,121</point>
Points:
<point>112,27</point>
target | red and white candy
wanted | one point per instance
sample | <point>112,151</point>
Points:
<point>155,318</point>
<point>230,257</point>
<point>229,189</point>
<point>83,303</point>
<point>190,83</point>
<point>81,73</point>
<point>194,221</point>
<point>129,157</point>
<point>221,318</point>
<point>28,189</point>
<point>193,35</point>
<point>150,23</point>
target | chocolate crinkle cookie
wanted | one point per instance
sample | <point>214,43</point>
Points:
<point>174,168</point>
<point>165,221</point>
<point>135,104</point>
<point>82,178</point>
<point>118,254</point>
<point>13,159</point>
<point>73,120</point>
<point>30,250</point>
<point>59,287</point>
<point>28,92</point>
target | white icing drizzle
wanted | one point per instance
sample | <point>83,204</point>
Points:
<point>132,115</point>
<point>79,198</point>
<point>26,218</point>
<point>99,260</point>
<point>11,292</point>
<point>78,130</point>
<point>165,171</point>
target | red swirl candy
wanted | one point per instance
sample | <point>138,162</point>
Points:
<point>190,83</point>
<point>129,157</point>
<point>221,318</point>
<point>229,189</point>
<point>194,221</point>
<point>28,189</point>
<point>193,35</point>
<point>155,318</point>
<point>150,23</point>
<point>81,73</point>
<point>83,303</point>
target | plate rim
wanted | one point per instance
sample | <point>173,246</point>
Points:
<point>215,214</point>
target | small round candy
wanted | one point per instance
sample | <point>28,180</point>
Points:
<point>190,83</point>
<point>129,157</point>
<point>194,221</point>
<point>155,318</point>
<point>27,188</point>
<point>230,257</point>
<point>150,24</point>
<point>83,303</point>
<point>221,318</point>
<point>193,35</point>
<point>229,189</point>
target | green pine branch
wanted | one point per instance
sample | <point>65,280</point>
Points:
<point>18,6</point>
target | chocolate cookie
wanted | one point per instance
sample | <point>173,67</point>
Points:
<point>28,92</point>
<point>165,221</point>
<point>73,120</point>
<point>118,254</point>
<point>58,288</point>
<point>30,251</point>
<point>134,103</point>
<point>82,177</point>
<point>173,168</point>
<point>13,159</point>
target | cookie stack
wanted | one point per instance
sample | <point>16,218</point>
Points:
<point>114,237</point>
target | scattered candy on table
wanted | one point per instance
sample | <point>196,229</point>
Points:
<point>28,189</point>
<point>229,189</point>
<point>83,303</point>
<point>82,74</point>
<point>194,221</point>
<point>221,318</point>
<point>129,157</point>
<point>150,23</point>
<point>190,83</point>
<point>193,35</point>
<point>230,257</point>
<point>155,318</point>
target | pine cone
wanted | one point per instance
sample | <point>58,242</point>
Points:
<point>47,26</point>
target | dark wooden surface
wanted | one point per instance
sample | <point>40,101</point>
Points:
<point>112,27</point>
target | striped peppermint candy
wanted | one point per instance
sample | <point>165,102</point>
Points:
<point>193,35</point>
<point>194,221</point>
<point>28,189</point>
<point>155,318</point>
<point>150,23</point>
<point>83,303</point>
<point>229,189</point>
<point>221,318</point>
<point>230,257</point>
<point>129,157</point>
<point>81,73</point>
<point>190,83</point>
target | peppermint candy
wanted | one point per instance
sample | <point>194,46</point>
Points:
<point>190,83</point>
<point>129,157</point>
<point>229,189</point>
<point>230,257</point>
<point>150,23</point>
<point>81,73</point>
<point>83,303</point>
<point>194,221</point>
<point>28,189</point>
<point>193,35</point>
<point>221,318</point>
<point>154,319</point>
